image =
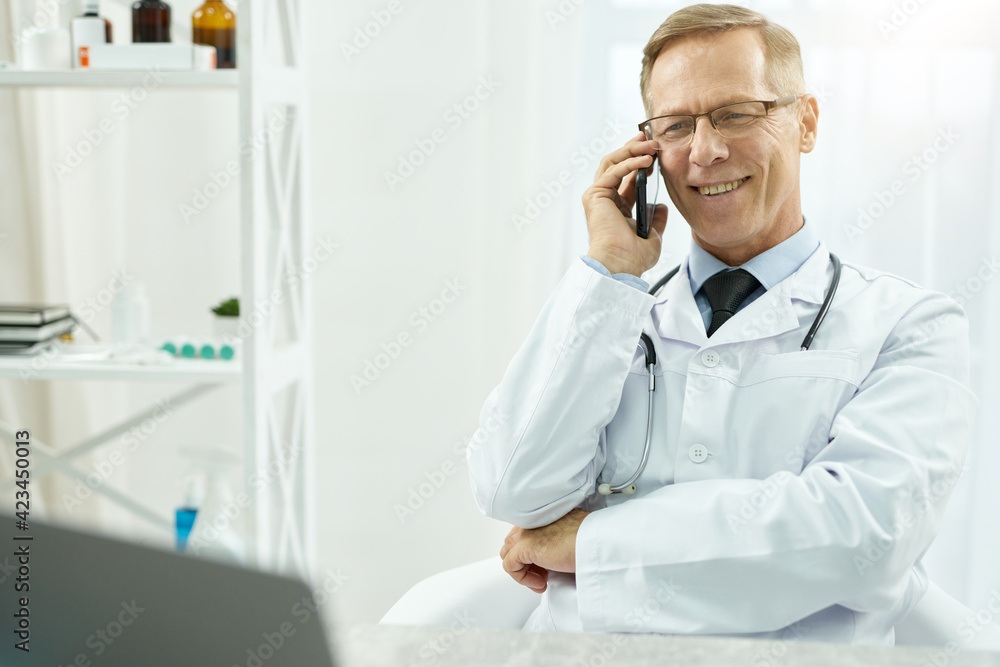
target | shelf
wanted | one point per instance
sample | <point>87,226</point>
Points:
<point>172,369</point>
<point>228,78</point>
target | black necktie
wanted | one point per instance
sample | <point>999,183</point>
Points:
<point>726,290</point>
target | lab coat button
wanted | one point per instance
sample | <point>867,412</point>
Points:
<point>710,358</point>
<point>698,453</point>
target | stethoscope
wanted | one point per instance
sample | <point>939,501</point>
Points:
<point>628,487</point>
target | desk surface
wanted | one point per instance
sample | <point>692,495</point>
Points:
<point>408,646</point>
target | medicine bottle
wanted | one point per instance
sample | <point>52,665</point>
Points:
<point>214,24</point>
<point>150,21</point>
<point>91,11</point>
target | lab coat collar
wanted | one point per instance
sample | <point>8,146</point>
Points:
<point>812,279</point>
<point>769,267</point>
<point>675,314</point>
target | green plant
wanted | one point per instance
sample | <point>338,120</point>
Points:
<point>228,308</point>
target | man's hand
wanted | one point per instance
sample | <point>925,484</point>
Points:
<point>608,204</point>
<point>529,554</point>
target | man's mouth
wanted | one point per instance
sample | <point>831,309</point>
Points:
<point>722,188</point>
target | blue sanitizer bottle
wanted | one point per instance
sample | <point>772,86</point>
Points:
<point>185,515</point>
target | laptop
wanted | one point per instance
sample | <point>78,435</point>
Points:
<point>98,601</point>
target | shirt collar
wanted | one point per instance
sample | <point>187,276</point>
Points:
<point>769,267</point>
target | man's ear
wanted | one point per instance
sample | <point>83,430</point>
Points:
<point>808,122</point>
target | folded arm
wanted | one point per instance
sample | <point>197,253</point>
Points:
<point>538,449</point>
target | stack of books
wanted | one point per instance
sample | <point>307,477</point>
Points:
<point>28,328</point>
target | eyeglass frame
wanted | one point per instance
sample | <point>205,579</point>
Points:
<point>768,105</point>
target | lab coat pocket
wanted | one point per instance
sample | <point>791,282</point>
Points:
<point>786,404</point>
<point>834,364</point>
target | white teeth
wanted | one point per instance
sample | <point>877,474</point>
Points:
<point>725,187</point>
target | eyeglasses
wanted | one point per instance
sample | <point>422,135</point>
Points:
<point>732,121</point>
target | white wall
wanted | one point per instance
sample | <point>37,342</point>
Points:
<point>449,221</point>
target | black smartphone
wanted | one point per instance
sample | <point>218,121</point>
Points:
<point>641,211</point>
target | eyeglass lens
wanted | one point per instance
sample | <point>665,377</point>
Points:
<point>731,121</point>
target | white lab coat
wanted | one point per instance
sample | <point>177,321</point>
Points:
<point>788,494</point>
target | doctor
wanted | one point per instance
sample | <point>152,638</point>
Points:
<point>788,493</point>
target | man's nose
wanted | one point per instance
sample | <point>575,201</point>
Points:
<point>707,145</point>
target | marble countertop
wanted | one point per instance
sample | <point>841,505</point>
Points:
<point>424,646</point>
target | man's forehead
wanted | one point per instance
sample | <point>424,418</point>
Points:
<point>665,105</point>
<point>700,72</point>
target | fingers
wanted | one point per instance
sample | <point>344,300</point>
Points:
<point>651,170</point>
<point>615,167</point>
<point>524,572</point>
<point>636,146</point>
<point>510,540</point>
<point>540,577</point>
<point>627,187</point>
<point>613,176</point>
<point>608,204</point>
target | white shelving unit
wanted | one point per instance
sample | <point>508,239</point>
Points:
<point>275,236</point>
<point>178,370</point>
<point>107,79</point>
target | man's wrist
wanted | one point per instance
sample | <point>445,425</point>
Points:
<point>612,265</point>
<point>626,278</point>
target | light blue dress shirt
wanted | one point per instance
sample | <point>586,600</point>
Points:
<point>770,267</point>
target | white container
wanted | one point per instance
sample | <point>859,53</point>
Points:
<point>87,31</point>
<point>130,317</point>
<point>225,328</point>
<point>46,48</point>
<point>218,527</point>
<point>150,55</point>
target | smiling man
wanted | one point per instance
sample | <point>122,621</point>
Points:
<point>765,446</point>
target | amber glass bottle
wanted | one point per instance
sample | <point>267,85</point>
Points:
<point>150,21</point>
<point>214,24</point>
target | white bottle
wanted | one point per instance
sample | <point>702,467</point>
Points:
<point>130,317</point>
<point>141,304</point>
<point>87,30</point>
<point>217,530</point>
<point>123,334</point>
